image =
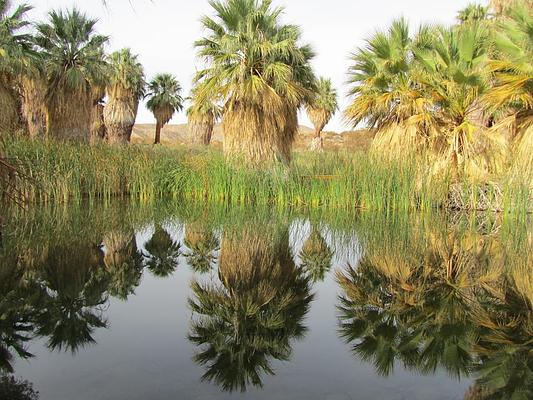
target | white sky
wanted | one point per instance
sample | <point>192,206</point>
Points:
<point>162,32</point>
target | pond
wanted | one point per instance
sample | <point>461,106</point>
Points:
<point>169,301</point>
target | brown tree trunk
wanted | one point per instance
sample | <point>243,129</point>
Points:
<point>157,133</point>
<point>68,116</point>
<point>33,105</point>
<point>257,136</point>
<point>9,120</point>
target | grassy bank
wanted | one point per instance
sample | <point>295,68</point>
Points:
<point>66,172</point>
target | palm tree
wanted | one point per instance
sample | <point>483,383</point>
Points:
<point>473,13</point>
<point>125,89</point>
<point>320,110</point>
<point>202,116</point>
<point>33,91</point>
<point>97,130</point>
<point>513,74</point>
<point>456,77</point>
<point>261,73</point>
<point>165,99</point>
<point>163,253</point>
<point>74,63</point>
<point>386,93</point>
<point>500,7</point>
<point>14,48</point>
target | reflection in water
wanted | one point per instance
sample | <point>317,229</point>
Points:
<point>74,292</point>
<point>251,315</point>
<point>17,317</point>
<point>445,301</point>
<point>202,244</point>
<point>427,294</point>
<point>123,263</point>
<point>316,256</point>
<point>13,389</point>
<point>163,253</point>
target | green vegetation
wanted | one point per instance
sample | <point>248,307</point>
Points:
<point>451,107</point>
<point>460,95</point>
<point>321,108</point>
<point>62,172</point>
<point>262,74</point>
<point>125,90</point>
<point>164,92</point>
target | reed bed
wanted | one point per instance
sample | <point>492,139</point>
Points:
<point>63,172</point>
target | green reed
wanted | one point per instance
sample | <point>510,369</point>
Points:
<point>67,171</point>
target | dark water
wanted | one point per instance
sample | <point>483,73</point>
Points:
<point>125,301</point>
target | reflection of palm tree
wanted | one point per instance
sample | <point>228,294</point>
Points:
<point>202,245</point>
<point>14,389</point>
<point>505,347</point>
<point>16,315</point>
<point>74,294</point>
<point>162,259</point>
<point>316,256</point>
<point>124,264</point>
<point>254,313</point>
<point>415,306</point>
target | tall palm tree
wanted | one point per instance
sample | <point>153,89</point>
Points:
<point>74,63</point>
<point>473,13</point>
<point>456,77</point>
<point>14,48</point>
<point>500,7</point>
<point>202,116</point>
<point>261,73</point>
<point>513,75</point>
<point>33,90</point>
<point>321,108</point>
<point>164,92</point>
<point>126,88</point>
<point>386,94</point>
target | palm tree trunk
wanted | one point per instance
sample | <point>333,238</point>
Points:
<point>157,133</point>
<point>8,109</point>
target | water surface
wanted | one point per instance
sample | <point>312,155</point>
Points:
<point>123,301</point>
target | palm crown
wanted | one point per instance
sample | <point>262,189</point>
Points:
<point>250,54</point>
<point>72,51</point>
<point>13,44</point>
<point>165,99</point>
<point>126,74</point>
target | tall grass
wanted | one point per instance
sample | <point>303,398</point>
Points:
<point>63,171</point>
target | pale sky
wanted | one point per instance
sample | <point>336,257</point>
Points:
<point>162,32</point>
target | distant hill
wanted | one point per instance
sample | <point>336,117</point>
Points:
<point>176,135</point>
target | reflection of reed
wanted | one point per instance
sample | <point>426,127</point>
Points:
<point>256,310</point>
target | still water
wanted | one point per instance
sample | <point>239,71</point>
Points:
<point>124,301</point>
